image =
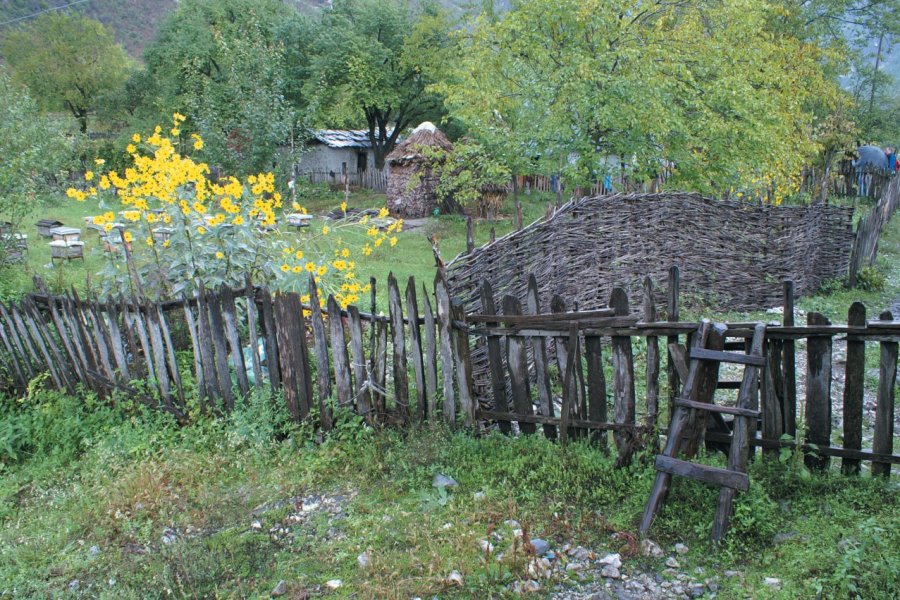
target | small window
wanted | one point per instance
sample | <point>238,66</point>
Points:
<point>362,161</point>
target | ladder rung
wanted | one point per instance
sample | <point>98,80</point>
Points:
<point>703,473</point>
<point>729,357</point>
<point>728,410</point>
<point>728,385</point>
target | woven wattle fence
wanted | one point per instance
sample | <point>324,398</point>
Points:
<point>732,256</point>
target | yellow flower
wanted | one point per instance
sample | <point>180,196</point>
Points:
<point>325,230</point>
<point>127,237</point>
<point>178,117</point>
<point>299,254</point>
<point>92,191</point>
<point>310,267</point>
<point>321,270</point>
<point>99,162</point>
<point>89,175</point>
<point>199,207</point>
<point>104,183</point>
<point>150,241</point>
<point>175,131</point>
<point>295,205</point>
<point>383,212</point>
<point>220,255</point>
<point>71,192</point>
<point>285,268</point>
<point>201,230</point>
<point>166,243</point>
<point>393,241</point>
<point>297,269</point>
<point>136,139</point>
<point>130,149</point>
<point>198,144</point>
<point>345,252</point>
<point>344,206</point>
<point>238,220</point>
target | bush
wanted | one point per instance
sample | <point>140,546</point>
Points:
<point>871,279</point>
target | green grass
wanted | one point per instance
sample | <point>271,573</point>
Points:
<point>119,482</point>
<point>411,257</point>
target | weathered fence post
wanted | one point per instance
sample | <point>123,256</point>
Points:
<point>539,352</point>
<point>430,359</point>
<point>623,381</point>
<point>442,298</point>
<point>854,377</point>
<point>320,345</point>
<point>818,392</point>
<point>339,354</point>
<point>463,363</point>
<point>470,236</point>
<point>415,349</point>
<point>672,316</point>
<point>361,376</point>
<point>884,410</point>
<point>652,380</point>
<point>789,353</point>
<point>516,359</point>
<point>401,376</point>
<point>495,357</point>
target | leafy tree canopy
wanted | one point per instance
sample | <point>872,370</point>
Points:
<point>582,85</point>
<point>68,62</point>
<point>373,61</point>
<point>224,64</point>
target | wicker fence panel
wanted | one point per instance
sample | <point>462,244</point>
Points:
<point>731,255</point>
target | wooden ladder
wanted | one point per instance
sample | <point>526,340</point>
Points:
<point>689,419</point>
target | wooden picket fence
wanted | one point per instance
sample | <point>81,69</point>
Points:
<point>868,230</point>
<point>524,365</point>
<point>371,179</point>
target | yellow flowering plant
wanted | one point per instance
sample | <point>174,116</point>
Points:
<point>181,228</point>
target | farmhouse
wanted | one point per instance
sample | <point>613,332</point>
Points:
<point>338,150</point>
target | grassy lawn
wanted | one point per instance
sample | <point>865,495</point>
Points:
<point>412,257</point>
<point>119,504</point>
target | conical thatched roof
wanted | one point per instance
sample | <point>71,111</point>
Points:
<point>425,135</point>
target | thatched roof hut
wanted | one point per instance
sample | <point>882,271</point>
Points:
<point>411,185</point>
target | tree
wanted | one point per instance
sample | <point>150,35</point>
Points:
<point>584,85</point>
<point>67,61</point>
<point>373,61</point>
<point>33,152</point>
<point>223,64</point>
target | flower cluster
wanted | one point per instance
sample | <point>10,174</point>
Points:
<point>216,231</point>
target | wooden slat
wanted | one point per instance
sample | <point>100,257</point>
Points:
<point>59,370</point>
<point>287,308</point>
<point>362,384</point>
<point>379,367</point>
<point>727,357</point>
<point>701,384</point>
<point>672,316</point>
<point>883,442</point>
<point>252,320</point>
<point>320,347</point>
<point>843,453</point>
<point>75,362</point>
<point>398,338</point>
<point>17,342</point>
<point>818,392</point>
<point>508,417</point>
<point>569,389</point>
<point>516,359</point>
<point>118,346</point>
<point>651,381</point>
<point>442,298</point>
<point>159,353</point>
<point>565,410</point>
<point>541,371</point>
<point>267,321</point>
<point>462,357</point>
<point>210,370</point>
<point>170,355</point>
<point>13,359</point>
<point>217,333</point>
<point>789,360</point>
<point>229,317</point>
<point>495,359</point>
<point>415,348</point>
<point>430,356</point>
<point>204,386</point>
<point>623,379</point>
<point>716,408</point>
<point>562,319</point>
<point>339,354</point>
<point>854,379</point>
<point>703,473</point>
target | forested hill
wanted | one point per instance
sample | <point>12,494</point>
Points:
<point>135,22</point>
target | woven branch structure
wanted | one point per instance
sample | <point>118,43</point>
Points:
<point>731,255</point>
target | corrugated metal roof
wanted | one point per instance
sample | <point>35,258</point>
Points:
<point>345,138</point>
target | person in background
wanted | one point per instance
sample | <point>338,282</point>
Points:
<point>892,159</point>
